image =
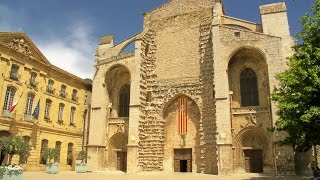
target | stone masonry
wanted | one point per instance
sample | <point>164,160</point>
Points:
<point>191,49</point>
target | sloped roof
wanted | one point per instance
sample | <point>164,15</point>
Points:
<point>21,43</point>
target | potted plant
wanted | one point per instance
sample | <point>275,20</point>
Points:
<point>81,166</point>
<point>51,155</point>
<point>10,146</point>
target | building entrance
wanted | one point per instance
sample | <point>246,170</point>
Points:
<point>253,161</point>
<point>122,161</point>
<point>183,160</point>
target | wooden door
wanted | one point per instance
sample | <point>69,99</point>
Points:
<point>182,160</point>
<point>122,161</point>
<point>253,161</point>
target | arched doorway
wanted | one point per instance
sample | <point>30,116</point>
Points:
<point>117,152</point>
<point>182,138</point>
<point>253,151</point>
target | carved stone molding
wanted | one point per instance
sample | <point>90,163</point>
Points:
<point>20,45</point>
<point>249,110</point>
<point>117,120</point>
<point>252,120</point>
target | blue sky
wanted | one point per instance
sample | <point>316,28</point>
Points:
<point>67,32</point>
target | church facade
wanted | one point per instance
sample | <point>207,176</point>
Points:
<point>193,95</point>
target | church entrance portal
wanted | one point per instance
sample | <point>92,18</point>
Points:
<point>182,160</point>
<point>253,161</point>
<point>122,161</point>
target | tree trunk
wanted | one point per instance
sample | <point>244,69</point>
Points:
<point>10,158</point>
<point>315,154</point>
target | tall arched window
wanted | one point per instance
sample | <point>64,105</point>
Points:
<point>72,114</point>
<point>70,154</point>
<point>249,88</point>
<point>63,90</point>
<point>29,103</point>
<point>47,109</point>
<point>58,148</point>
<point>14,72</point>
<point>60,112</point>
<point>11,91</point>
<point>44,145</point>
<point>124,101</point>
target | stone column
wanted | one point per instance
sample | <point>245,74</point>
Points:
<point>134,116</point>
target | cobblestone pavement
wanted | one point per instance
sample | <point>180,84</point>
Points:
<point>71,175</point>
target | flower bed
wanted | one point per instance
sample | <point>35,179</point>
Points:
<point>11,172</point>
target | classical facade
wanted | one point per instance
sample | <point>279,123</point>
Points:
<point>40,102</point>
<point>191,61</point>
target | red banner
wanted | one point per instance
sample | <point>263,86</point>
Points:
<point>183,115</point>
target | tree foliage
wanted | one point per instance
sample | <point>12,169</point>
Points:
<point>14,145</point>
<point>50,154</point>
<point>298,95</point>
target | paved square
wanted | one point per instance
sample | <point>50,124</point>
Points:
<point>71,175</point>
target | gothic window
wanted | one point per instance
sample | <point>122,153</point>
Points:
<point>9,97</point>
<point>70,154</point>
<point>249,88</point>
<point>44,146</point>
<point>60,112</point>
<point>58,148</point>
<point>47,109</point>
<point>124,101</point>
<point>29,103</point>
<point>14,72</point>
<point>72,113</point>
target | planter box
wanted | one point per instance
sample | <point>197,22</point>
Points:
<point>52,168</point>
<point>81,168</point>
<point>12,176</point>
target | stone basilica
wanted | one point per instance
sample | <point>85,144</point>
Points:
<point>193,96</point>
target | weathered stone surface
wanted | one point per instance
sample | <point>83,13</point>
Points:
<point>185,50</point>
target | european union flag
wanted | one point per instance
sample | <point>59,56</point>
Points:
<point>35,113</point>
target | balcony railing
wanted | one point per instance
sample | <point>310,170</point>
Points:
<point>62,94</point>
<point>50,89</point>
<point>74,98</point>
<point>28,117</point>
<point>60,121</point>
<point>33,83</point>
<point>6,113</point>
<point>14,76</point>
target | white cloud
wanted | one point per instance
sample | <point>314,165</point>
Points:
<point>72,50</point>
<point>73,53</point>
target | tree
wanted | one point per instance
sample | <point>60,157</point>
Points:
<point>14,145</point>
<point>50,154</point>
<point>298,95</point>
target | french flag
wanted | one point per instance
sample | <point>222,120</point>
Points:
<point>13,106</point>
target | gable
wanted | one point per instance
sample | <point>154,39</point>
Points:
<point>21,43</point>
